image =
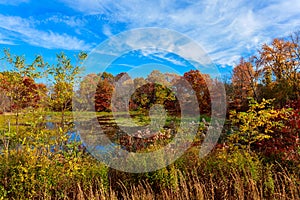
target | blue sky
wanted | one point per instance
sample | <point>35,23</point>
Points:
<point>225,29</point>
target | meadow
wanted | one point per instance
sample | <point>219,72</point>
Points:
<point>42,163</point>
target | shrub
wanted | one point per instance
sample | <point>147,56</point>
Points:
<point>258,123</point>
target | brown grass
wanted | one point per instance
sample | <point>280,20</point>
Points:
<point>234,187</point>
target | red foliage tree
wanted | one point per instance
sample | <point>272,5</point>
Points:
<point>285,142</point>
<point>199,83</point>
<point>104,93</point>
<point>21,92</point>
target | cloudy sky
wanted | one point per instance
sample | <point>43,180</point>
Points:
<point>225,29</point>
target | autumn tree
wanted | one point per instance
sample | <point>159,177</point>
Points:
<point>244,83</point>
<point>171,77</point>
<point>257,124</point>
<point>4,101</point>
<point>199,82</point>
<point>150,94</point>
<point>86,92</point>
<point>123,87</point>
<point>104,92</point>
<point>139,81</point>
<point>157,77</point>
<point>279,65</point>
<point>19,84</point>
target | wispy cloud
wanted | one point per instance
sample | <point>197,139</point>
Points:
<point>4,39</point>
<point>226,29</point>
<point>155,44</point>
<point>14,2</point>
<point>162,56</point>
<point>106,30</point>
<point>85,6</point>
<point>71,21</point>
<point>23,30</point>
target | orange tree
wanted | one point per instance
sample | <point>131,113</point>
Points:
<point>199,83</point>
<point>244,83</point>
<point>279,63</point>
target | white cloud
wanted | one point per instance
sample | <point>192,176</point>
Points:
<point>161,56</point>
<point>155,44</point>
<point>85,6</point>
<point>23,30</point>
<point>106,30</point>
<point>226,29</point>
<point>5,40</point>
<point>14,2</point>
<point>71,21</point>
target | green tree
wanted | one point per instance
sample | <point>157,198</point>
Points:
<point>64,76</point>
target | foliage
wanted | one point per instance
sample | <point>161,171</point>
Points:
<point>200,83</point>
<point>244,84</point>
<point>279,64</point>
<point>284,144</point>
<point>20,92</point>
<point>257,124</point>
<point>157,88</point>
<point>86,92</point>
<point>19,85</point>
<point>153,93</point>
<point>104,93</point>
<point>63,76</point>
<point>39,163</point>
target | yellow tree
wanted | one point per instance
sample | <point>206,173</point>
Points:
<point>86,92</point>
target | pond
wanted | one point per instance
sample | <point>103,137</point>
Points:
<point>74,136</point>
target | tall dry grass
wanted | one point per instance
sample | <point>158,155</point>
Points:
<point>285,187</point>
<point>216,177</point>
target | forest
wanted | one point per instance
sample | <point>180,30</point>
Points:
<point>256,157</point>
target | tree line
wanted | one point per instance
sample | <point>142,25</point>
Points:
<point>272,73</point>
